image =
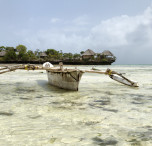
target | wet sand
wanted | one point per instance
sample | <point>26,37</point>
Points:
<point>102,112</point>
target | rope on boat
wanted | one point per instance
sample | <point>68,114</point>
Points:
<point>109,72</point>
<point>30,67</point>
<point>73,77</point>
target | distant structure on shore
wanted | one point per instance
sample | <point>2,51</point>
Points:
<point>20,54</point>
<point>2,54</point>
<point>43,55</point>
<point>88,54</point>
<point>108,55</point>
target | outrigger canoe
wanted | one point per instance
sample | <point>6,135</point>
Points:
<point>69,79</point>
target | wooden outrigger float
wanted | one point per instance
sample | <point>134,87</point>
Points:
<point>68,78</point>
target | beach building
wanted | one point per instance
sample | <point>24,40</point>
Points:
<point>108,55</point>
<point>43,55</point>
<point>88,54</point>
<point>2,54</point>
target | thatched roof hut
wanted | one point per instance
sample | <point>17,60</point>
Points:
<point>2,53</point>
<point>88,54</point>
<point>43,54</point>
<point>107,53</point>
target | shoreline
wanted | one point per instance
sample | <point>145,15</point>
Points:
<point>57,62</point>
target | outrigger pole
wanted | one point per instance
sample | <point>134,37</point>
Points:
<point>112,74</point>
<point>115,76</point>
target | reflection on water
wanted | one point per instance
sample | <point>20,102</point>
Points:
<point>102,112</point>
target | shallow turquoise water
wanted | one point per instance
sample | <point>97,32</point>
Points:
<point>102,112</point>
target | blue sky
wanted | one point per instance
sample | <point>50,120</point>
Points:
<point>123,27</point>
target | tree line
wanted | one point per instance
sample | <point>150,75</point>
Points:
<point>20,53</point>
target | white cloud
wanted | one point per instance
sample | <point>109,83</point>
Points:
<point>119,31</point>
<point>81,20</point>
<point>126,36</point>
<point>54,20</point>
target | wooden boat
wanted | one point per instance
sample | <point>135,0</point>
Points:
<point>63,78</point>
<point>69,78</point>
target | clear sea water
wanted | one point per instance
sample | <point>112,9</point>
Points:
<point>102,112</point>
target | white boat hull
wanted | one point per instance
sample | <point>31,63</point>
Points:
<point>66,80</point>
